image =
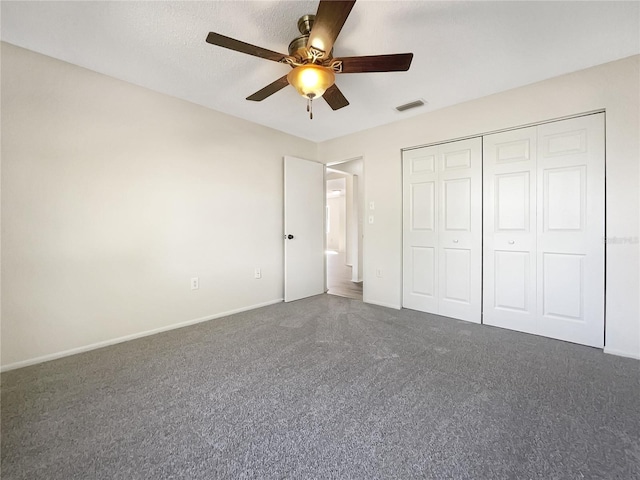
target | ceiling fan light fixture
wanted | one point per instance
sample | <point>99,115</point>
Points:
<point>310,80</point>
<point>311,57</point>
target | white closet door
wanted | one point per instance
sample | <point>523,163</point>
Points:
<point>509,250</point>
<point>442,225</point>
<point>571,230</point>
<point>544,230</point>
<point>460,229</point>
<point>420,239</point>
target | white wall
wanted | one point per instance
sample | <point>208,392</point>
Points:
<point>114,196</point>
<point>613,86</point>
<point>336,238</point>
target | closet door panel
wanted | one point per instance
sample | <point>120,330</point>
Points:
<point>420,229</point>
<point>509,257</point>
<point>570,253</point>
<point>460,229</point>
<point>442,239</point>
<point>512,281</point>
<point>543,254</point>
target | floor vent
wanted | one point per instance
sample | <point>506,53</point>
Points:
<point>407,106</point>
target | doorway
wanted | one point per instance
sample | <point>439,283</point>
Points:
<point>344,204</point>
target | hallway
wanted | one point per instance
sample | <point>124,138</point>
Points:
<point>339,277</point>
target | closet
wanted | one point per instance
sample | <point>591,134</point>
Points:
<point>507,229</point>
<point>442,241</point>
<point>543,252</point>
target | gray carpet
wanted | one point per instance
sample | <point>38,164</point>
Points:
<point>325,387</point>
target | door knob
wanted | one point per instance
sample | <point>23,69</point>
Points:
<point>290,237</point>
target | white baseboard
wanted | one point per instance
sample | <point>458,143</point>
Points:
<point>620,353</point>
<point>126,338</point>
<point>382,304</point>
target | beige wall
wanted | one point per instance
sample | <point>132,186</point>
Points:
<point>336,236</point>
<point>613,87</point>
<point>114,196</point>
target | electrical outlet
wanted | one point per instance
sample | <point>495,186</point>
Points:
<point>378,273</point>
<point>257,273</point>
<point>370,218</point>
<point>372,206</point>
<point>195,283</point>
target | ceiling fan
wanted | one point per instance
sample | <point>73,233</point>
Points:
<point>311,57</point>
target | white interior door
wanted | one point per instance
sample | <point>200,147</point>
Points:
<point>420,233</point>
<point>442,229</point>
<point>570,294</point>
<point>304,213</point>
<point>509,250</point>
<point>544,230</point>
<point>460,230</point>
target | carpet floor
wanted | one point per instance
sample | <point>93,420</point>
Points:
<point>325,387</point>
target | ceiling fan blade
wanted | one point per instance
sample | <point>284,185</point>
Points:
<point>233,44</point>
<point>335,98</point>
<point>269,89</point>
<point>399,62</point>
<point>329,20</point>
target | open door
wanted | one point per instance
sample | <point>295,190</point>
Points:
<point>304,211</point>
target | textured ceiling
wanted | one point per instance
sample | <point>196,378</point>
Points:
<point>462,50</point>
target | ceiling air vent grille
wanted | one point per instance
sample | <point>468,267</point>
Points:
<point>407,106</point>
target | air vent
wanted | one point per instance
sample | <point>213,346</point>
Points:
<point>407,106</point>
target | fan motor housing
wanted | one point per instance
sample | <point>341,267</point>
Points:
<point>305,24</point>
<point>298,43</point>
<point>298,46</point>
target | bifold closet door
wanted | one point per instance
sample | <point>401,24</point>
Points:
<point>509,245</point>
<point>544,230</point>
<point>442,229</point>
<point>420,229</point>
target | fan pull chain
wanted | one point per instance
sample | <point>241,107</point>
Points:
<point>310,107</point>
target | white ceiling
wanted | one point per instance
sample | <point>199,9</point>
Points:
<point>462,50</point>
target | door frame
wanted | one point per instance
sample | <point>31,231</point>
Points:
<point>361,211</point>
